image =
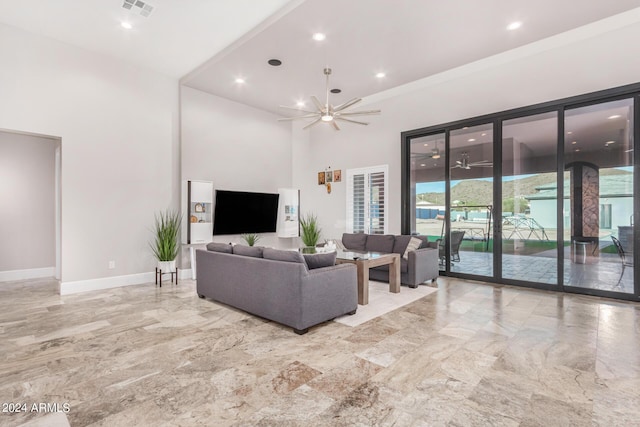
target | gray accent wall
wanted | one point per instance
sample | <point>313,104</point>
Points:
<point>27,202</point>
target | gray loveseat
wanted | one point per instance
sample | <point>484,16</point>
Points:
<point>420,264</point>
<point>276,284</point>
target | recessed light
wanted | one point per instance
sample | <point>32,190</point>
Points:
<point>574,142</point>
<point>126,25</point>
<point>514,25</point>
<point>615,116</point>
<point>319,37</point>
<point>609,143</point>
<point>426,145</point>
<point>577,149</point>
<point>569,133</point>
<point>240,80</point>
<point>484,134</point>
<point>471,140</point>
<point>466,127</point>
<point>336,90</point>
<point>422,164</point>
<point>300,103</point>
<point>274,62</point>
<point>380,75</point>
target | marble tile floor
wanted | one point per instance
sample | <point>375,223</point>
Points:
<point>470,354</point>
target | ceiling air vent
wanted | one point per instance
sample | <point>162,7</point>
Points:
<point>138,6</point>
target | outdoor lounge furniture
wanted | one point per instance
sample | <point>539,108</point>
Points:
<point>456,241</point>
<point>623,258</point>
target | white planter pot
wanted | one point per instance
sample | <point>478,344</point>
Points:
<point>167,266</point>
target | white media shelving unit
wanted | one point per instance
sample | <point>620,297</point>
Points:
<point>197,221</point>
<point>197,198</point>
<point>288,213</point>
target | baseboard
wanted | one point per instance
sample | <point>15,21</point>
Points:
<point>184,274</point>
<point>32,273</point>
<point>67,288</point>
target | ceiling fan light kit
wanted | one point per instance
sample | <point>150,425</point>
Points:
<point>329,114</point>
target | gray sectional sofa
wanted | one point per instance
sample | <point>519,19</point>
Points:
<point>277,285</point>
<point>419,265</point>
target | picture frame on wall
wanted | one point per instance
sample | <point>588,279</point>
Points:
<point>337,175</point>
<point>321,176</point>
<point>329,176</point>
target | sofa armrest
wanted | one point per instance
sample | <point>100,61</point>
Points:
<point>422,265</point>
<point>327,293</point>
<point>433,245</point>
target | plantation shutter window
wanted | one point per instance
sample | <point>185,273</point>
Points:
<point>366,200</point>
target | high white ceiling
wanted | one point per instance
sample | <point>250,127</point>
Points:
<point>212,42</point>
<point>177,37</point>
<point>406,39</point>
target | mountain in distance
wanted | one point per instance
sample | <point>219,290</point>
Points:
<point>478,192</point>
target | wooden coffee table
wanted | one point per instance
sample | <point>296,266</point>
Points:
<point>366,260</point>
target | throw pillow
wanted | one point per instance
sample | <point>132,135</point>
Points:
<point>219,247</point>
<point>280,255</point>
<point>414,243</point>
<point>252,251</point>
<point>320,260</point>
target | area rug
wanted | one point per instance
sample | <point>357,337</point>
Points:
<point>381,301</point>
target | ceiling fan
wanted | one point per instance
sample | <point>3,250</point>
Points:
<point>464,163</point>
<point>329,114</point>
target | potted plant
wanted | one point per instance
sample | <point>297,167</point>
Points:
<point>310,232</point>
<point>251,238</point>
<point>165,245</point>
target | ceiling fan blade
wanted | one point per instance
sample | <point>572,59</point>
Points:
<point>350,121</point>
<point>315,122</point>
<point>317,103</point>
<point>306,116</point>
<point>297,109</point>
<point>359,113</point>
<point>335,125</point>
<point>347,104</point>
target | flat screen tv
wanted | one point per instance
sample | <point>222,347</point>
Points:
<point>238,212</point>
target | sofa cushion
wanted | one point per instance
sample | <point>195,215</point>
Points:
<point>380,243</point>
<point>400,244</point>
<point>425,241</point>
<point>280,255</point>
<point>354,242</point>
<point>320,260</point>
<point>414,243</point>
<point>220,247</point>
<point>252,251</point>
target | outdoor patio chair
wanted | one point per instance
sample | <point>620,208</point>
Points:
<point>456,240</point>
<point>623,258</point>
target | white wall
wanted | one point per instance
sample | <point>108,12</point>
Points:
<point>513,80</point>
<point>119,133</point>
<point>27,202</point>
<point>237,147</point>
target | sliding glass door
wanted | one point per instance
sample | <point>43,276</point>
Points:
<point>471,200</point>
<point>599,197</point>
<point>530,198</point>
<point>543,196</point>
